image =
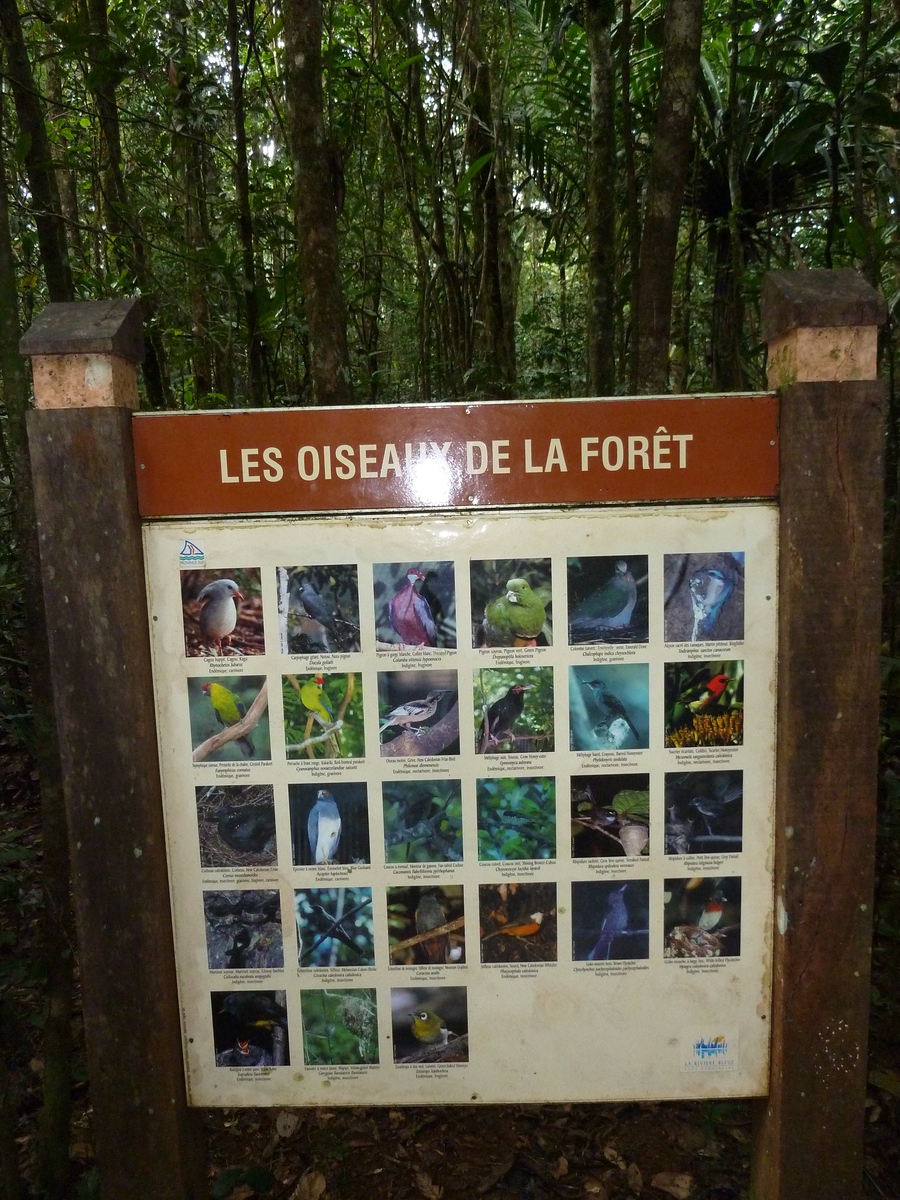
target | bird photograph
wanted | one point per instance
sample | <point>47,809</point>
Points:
<point>517,922</point>
<point>704,812</point>
<point>511,602</point>
<point>609,707</point>
<point>513,710</point>
<point>220,704</point>
<point>236,825</point>
<point>516,818</point>
<point>430,1024</point>
<point>323,715</point>
<point>610,816</point>
<point>318,609</point>
<point>222,613</point>
<point>413,913</point>
<point>608,600</point>
<point>610,920</point>
<point>340,1026</point>
<point>329,823</point>
<point>422,820</point>
<point>256,1019</point>
<point>704,703</point>
<point>415,605</point>
<point>418,713</point>
<point>702,917</point>
<point>703,597</point>
<point>243,930</point>
<point>334,927</point>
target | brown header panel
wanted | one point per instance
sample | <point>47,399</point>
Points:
<point>456,455</point>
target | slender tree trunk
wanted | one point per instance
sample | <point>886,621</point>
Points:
<point>508,263</point>
<point>39,164</point>
<point>256,368</point>
<point>728,293</point>
<point>65,175</point>
<point>315,215</point>
<point>187,156</point>
<point>601,197</point>
<point>860,212</point>
<point>669,165</point>
<point>481,147</point>
<point>123,225</point>
<point>55,1115</point>
<point>632,203</point>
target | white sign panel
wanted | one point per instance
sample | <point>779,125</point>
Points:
<point>469,808</point>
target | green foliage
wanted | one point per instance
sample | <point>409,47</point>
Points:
<point>423,822</point>
<point>516,819</point>
<point>339,1027</point>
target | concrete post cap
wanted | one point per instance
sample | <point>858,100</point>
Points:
<point>112,327</point>
<point>817,300</point>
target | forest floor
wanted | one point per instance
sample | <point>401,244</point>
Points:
<point>599,1151</point>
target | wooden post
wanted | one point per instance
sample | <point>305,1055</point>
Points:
<point>84,361</point>
<point>821,327</point>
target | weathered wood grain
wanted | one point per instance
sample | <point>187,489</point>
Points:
<point>809,1135</point>
<point>148,1142</point>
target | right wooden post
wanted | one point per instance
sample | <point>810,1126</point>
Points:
<point>821,328</point>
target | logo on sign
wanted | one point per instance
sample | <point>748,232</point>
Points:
<point>716,1053</point>
<point>714,1047</point>
<point>190,553</point>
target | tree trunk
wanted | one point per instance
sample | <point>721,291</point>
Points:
<point>187,155</point>
<point>315,215</point>
<point>122,223</point>
<point>255,355</point>
<point>669,165</point>
<point>496,369</point>
<point>728,284</point>
<point>65,175</point>
<point>601,198</point>
<point>39,164</point>
<point>632,203</point>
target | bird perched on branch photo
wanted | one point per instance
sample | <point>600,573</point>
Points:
<point>315,700</point>
<point>219,613</point>
<point>413,712</point>
<point>503,714</point>
<point>430,914</point>
<point>429,1028</point>
<point>229,710</point>
<point>610,708</point>
<point>515,618</point>
<point>410,613</point>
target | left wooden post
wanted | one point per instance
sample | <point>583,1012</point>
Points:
<point>84,362</point>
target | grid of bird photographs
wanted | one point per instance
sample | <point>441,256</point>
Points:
<point>360,827</point>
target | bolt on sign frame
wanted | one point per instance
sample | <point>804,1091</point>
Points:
<point>601,854</point>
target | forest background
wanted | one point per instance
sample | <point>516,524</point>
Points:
<point>402,201</point>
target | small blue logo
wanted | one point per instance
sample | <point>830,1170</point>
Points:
<point>190,553</point>
<point>716,1047</point>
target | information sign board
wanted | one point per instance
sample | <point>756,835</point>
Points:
<point>468,806</point>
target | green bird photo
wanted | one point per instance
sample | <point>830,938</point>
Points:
<point>229,718</point>
<point>511,601</point>
<point>608,599</point>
